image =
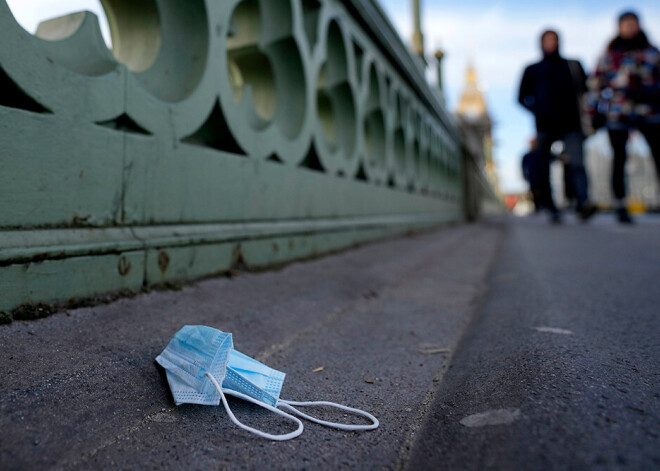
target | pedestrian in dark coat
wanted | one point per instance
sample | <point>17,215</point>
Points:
<point>550,89</point>
<point>625,95</point>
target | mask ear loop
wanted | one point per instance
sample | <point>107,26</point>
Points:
<point>289,405</point>
<point>286,436</point>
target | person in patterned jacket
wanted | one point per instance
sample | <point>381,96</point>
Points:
<point>625,95</point>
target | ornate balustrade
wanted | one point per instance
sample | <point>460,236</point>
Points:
<point>214,133</point>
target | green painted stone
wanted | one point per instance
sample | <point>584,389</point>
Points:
<point>251,131</point>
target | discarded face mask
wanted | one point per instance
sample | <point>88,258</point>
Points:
<point>202,367</point>
<point>195,362</point>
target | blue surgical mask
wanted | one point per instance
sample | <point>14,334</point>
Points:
<point>264,384</point>
<point>195,362</point>
<point>193,352</point>
<point>199,359</point>
<point>247,375</point>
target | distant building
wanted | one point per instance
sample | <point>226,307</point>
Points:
<point>474,119</point>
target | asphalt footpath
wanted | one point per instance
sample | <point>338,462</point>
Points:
<point>561,367</point>
<point>374,328</point>
<point>505,345</point>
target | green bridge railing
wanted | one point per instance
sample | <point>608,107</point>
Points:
<point>213,134</point>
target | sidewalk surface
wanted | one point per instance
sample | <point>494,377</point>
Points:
<point>81,390</point>
<point>565,352</point>
<point>499,345</point>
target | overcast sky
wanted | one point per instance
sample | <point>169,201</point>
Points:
<point>499,36</point>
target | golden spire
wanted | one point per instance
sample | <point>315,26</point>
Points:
<point>472,104</point>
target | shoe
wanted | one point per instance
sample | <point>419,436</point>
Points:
<point>555,218</point>
<point>623,216</point>
<point>586,211</point>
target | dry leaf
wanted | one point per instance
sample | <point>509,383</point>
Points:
<point>430,349</point>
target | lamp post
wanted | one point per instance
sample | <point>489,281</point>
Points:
<point>418,36</point>
<point>439,55</point>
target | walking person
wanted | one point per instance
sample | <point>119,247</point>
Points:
<point>625,95</point>
<point>550,89</point>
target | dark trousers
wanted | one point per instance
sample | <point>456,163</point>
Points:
<point>540,184</point>
<point>619,139</point>
<point>573,142</point>
<point>538,198</point>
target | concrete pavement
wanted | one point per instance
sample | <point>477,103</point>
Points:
<point>502,345</point>
<point>561,368</point>
<point>81,390</point>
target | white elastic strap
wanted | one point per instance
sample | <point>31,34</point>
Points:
<point>289,405</point>
<point>286,436</point>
